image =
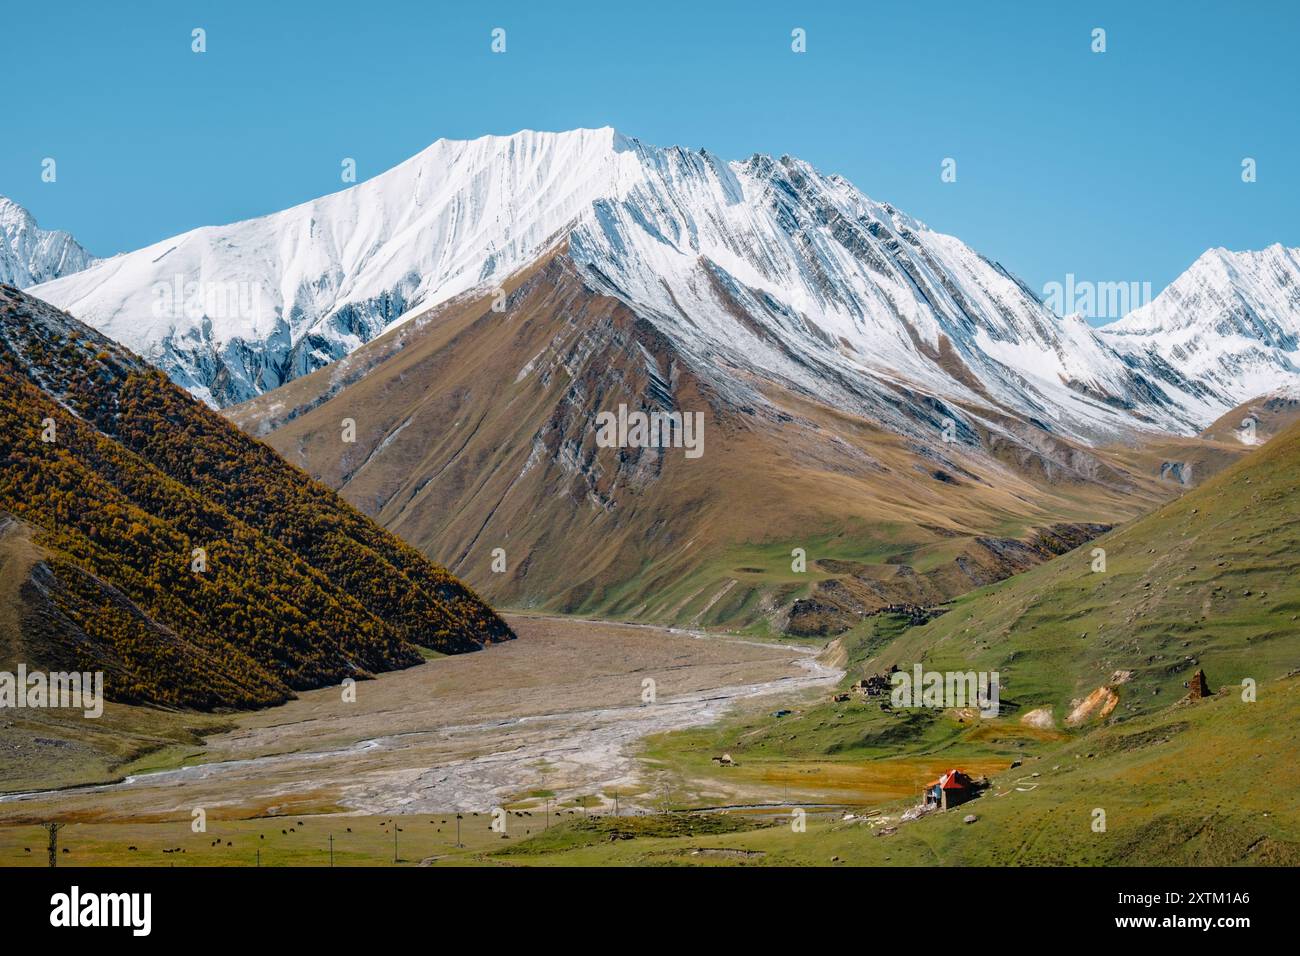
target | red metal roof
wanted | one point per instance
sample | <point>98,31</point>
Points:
<point>953,780</point>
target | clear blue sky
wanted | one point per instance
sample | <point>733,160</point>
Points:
<point>1121,166</point>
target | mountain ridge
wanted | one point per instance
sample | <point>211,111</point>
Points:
<point>763,265</point>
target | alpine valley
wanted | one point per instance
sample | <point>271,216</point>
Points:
<point>875,393</point>
<point>713,431</point>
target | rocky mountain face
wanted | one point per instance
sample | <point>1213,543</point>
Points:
<point>471,432</point>
<point>30,255</point>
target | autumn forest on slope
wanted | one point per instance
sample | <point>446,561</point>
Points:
<point>147,538</point>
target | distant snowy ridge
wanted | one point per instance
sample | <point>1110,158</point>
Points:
<point>30,255</point>
<point>1224,332</point>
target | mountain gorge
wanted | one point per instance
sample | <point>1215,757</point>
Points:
<point>1207,581</point>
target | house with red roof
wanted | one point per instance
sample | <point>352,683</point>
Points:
<point>951,789</point>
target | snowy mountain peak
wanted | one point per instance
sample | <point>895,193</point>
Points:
<point>1225,331</point>
<point>1263,278</point>
<point>30,254</point>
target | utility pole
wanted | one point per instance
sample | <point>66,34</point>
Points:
<point>331,849</point>
<point>53,830</point>
<point>548,813</point>
<point>615,803</point>
<point>394,840</point>
<point>259,857</point>
<point>458,818</point>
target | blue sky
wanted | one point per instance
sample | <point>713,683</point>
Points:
<point>1118,166</point>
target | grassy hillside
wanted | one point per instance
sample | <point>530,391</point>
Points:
<point>1207,581</point>
<point>1192,785</point>
<point>294,588</point>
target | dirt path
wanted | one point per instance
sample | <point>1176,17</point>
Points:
<point>558,710</point>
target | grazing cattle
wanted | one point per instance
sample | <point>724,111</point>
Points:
<point>27,849</point>
<point>131,848</point>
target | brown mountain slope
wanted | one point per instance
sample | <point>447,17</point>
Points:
<point>189,563</point>
<point>1257,420</point>
<point>475,431</point>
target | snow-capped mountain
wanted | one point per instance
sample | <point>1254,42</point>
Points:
<point>232,311</point>
<point>30,255</point>
<point>1224,332</point>
<point>757,270</point>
